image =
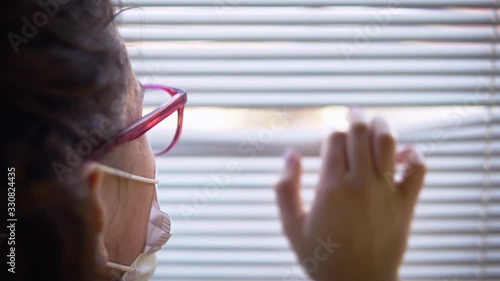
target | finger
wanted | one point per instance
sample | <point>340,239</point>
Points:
<point>413,174</point>
<point>384,148</point>
<point>289,198</point>
<point>358,144</point>
<point>402,155</point>
<point>334,165</point>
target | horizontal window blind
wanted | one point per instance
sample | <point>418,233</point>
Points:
<point>265,75</point>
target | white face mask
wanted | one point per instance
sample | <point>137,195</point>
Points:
<point>157,235</point>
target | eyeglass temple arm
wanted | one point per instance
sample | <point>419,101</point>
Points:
<point>144,124</point>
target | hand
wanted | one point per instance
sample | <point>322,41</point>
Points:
<point>358,226</point>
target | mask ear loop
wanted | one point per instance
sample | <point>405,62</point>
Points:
<point>120,267</point>
<point>124,174</point>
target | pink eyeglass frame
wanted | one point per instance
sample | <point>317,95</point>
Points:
<point>147,122</point>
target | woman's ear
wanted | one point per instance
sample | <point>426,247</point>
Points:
<point>94,178</point>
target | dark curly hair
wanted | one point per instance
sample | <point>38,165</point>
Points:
<point>63,69</point>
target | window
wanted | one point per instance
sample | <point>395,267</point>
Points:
<point>263,75</point>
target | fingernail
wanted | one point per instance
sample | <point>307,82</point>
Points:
<point>288,154</point>
<point>417,156</point>
<point>355,112</point>
<point>351,110</point>
<point>392,129</point>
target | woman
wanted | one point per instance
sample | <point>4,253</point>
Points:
<point>86,203</point>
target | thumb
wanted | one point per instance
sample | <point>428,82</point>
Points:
<point>414,172</point>
<point>289,198</point>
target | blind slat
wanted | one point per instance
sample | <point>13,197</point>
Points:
<point>193,165</point>
<point>300,33</point>
<point>272,244</point>
<point>320,98</point>
<point>312,3</point>
<point>286,258</point>
<point>303,16</point>
<point>229,197</point>
<point>312,83</point>
<point>311,67</point>
<point>376,50</point>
